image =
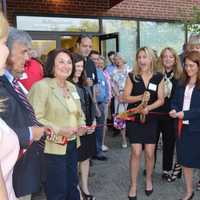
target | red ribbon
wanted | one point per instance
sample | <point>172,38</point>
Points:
<point>180,126</point>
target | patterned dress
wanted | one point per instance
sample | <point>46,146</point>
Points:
<point>118,80</point>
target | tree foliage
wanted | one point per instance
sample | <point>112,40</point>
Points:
<point>193,25</point>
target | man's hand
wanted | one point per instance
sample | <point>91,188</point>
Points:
<point>98,112</point>
<point>37,132</point>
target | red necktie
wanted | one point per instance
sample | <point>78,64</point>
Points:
<point>28,106</point>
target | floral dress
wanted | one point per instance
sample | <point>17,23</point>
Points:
<point>118,80</point>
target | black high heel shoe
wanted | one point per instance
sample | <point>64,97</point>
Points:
<point>132,198</point>
<point>176,173</point>
<point>165,175</point>
<point>189,198</point>
<point>149,192</point>
<point>198,186</point>
<point>87,196</point>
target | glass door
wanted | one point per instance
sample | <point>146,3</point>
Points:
<point>42,43</point>
<point>108,42</point>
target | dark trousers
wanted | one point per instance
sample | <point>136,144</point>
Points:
<point>62,175</point>
<point>167,128</point>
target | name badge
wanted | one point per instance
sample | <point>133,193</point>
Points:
<point>152,87</point>
<point>24,76</point>
<point>75,95</point>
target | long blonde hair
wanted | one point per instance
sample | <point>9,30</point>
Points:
<point>3,33</point>
<point>151,54</point>
<point>177,68</point>
<point>3,26</point>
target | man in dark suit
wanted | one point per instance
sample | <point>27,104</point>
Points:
<point>19,115</point>
<point>84,45</point>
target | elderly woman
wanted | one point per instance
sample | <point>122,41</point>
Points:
<point>57,105</point>
<point>118,79</point>
<point>9,144</point>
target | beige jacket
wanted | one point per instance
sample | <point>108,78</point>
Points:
<point>53,110</point>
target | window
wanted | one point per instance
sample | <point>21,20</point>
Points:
<point>158,35</point>
<point>127,36</point>
<point>34,23</point>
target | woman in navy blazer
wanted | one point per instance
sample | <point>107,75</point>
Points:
<point>186,107</point>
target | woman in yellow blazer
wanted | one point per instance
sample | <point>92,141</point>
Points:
<point>57,105</point>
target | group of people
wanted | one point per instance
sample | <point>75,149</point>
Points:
<point>53,119</point>
<point>172,108</point>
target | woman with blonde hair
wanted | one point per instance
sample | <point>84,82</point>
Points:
<point>143,85</point>
<point>9,144</point>
<point>170,66</point>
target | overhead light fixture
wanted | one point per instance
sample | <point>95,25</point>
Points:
<point>66,37</point>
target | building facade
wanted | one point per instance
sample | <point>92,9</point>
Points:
<point>122,25</point>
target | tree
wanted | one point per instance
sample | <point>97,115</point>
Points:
<point>193,25</point>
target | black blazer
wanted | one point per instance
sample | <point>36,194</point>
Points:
<point>26,175</point>
<point>83,103</point>
<point>193,115</point>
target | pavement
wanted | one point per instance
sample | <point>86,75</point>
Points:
<point>110,179</point>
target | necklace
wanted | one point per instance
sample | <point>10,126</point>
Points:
<point>64,90</point>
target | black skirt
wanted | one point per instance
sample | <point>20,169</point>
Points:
<point>88,147</point>
<point>187,148</point>
<point>142,133</point>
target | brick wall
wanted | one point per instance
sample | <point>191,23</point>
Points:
<point>143,9</point>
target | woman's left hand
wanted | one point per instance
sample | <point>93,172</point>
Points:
<point>82,130</point>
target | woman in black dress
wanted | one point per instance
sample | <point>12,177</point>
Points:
<point>186,107</point>
<point>143,84</point>
<point>171,67</point>
<point>88,142</point>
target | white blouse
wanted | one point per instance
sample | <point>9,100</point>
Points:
<point>187,100</point>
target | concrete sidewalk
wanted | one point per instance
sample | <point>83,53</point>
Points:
<point>110,179</point>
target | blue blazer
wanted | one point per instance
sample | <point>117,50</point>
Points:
<point>193,115</point>
<point>27,170</point>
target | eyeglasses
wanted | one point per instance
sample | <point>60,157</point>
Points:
<point>189,66</point>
